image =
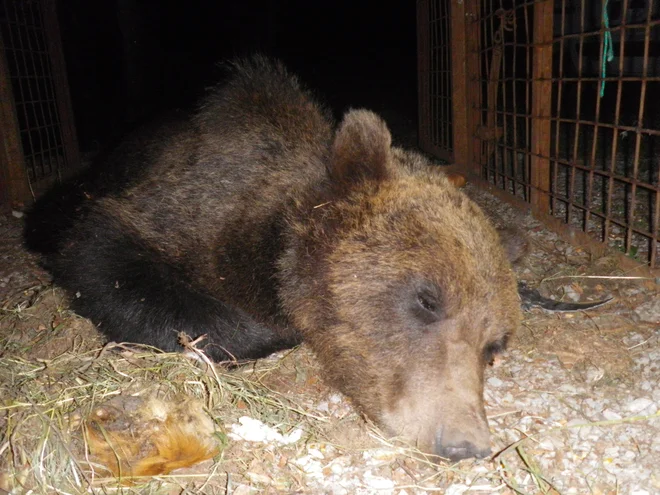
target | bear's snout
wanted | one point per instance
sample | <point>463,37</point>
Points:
<point>456,445</point>
<point>462,450</point>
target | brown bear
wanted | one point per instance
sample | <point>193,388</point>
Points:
<point>258,223</point>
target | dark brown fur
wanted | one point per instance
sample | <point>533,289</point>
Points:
<point>260,225</point>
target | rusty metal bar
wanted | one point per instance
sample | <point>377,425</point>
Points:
<point>582,167</point>
<point>638,137</point>
<point>615,140</point>
<point>435,81</point>
<point>569,233</point>
<point>594,141</point>
<point>459,83</point>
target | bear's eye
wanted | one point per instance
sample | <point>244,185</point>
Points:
<point>427,307</point>
<point>426,303</point>
<point>494,348</point>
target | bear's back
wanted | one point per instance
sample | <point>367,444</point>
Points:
<point>253,139</point>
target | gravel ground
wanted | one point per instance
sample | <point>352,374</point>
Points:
<point>573,406</point>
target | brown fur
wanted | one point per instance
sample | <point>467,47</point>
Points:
<point>349,296</point>
<point>257,223</point>
<point>135,438</point>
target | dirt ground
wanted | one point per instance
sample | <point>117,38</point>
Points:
<point>573,406</point>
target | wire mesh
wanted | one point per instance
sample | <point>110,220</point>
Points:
<point>606,125</point>
<point>436,129</point>
<point>24,37</point>
<point>595,112</point>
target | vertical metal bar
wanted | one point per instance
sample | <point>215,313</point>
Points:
<point>655,231</point>
<point>433,70</point>
<point>423,73</point>
<point>13,43</point>
<point>449,95</point>
<point>541,103</point>
<point>528,99</point>
<point>594,141</point>
<point>502,112</point>
<point>442,75</point>
<point>492,80</point>
<point>459,83</point>
<point>60,81</point>
<point>38,103</point>
<point>432,78</point>
<point>560,85</point>
<point>615,134</point>
<point>440,71</point>
<point>570,194</point>
<point>638,134</point>
<point>514,109</point>
<point>49,98</point>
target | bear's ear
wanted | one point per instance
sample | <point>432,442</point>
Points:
<point>516,244</point>
<point>361,149</point>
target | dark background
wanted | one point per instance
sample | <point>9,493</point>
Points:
<point>127,60</point>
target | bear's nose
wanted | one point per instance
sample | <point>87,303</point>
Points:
<point>460,450</point>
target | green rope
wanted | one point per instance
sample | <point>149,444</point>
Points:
<point>608,53</point>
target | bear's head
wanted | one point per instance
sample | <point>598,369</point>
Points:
<point>402,288</point>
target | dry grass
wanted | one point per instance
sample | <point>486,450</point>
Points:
<point>44,398</point>
<point>55,372</point>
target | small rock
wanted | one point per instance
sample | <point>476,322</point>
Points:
<point>495,382</point>
<point>242,490</point>
<point>571,293</point>
<point>638,405</point>
<point>649,311</point>
<point>253,430</point>
<point>594,374</point>
<point>17,214</point>
<point>546,444</point>
<point>378,482</point>
<point>629,455</point>
<point>316,453</point>
<point>456,489</point>
<point>611,415</point>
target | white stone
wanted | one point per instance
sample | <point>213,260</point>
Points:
<point>495,382</point>
<point>611,415</point>
<point>638,405</point>
<point>253,430</point>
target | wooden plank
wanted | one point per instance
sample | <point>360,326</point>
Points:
<point>14,184</point>
<point>473,87</point>
<point>541,107</point>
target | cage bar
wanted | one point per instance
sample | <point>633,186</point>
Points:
<point>540,130</point>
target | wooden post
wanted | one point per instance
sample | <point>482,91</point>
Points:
<point>541,107</point>
<point>14,184</point>
<point>473,86</point>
